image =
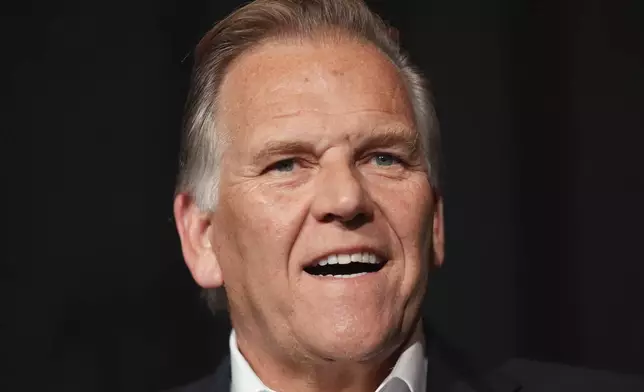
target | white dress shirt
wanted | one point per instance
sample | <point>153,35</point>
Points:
<point>408,375</point>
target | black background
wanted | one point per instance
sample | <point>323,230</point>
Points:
<point>541,106</point>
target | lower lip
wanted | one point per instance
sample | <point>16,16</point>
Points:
<point>352,276</point>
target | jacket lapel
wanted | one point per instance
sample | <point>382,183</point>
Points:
<point>449,369</point>
<point>223,376</point>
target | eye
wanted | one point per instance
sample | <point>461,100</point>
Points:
<point>384,159</point>
<point>283,166</point>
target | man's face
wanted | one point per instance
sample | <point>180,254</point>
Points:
<point>324,160</point>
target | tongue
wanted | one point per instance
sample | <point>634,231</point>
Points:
<point>342,269</point>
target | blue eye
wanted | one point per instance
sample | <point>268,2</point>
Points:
<point>385,159</point>
<point>285,165</point>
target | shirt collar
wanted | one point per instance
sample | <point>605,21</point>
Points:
<point>243,377</point>
<point>410,370</point>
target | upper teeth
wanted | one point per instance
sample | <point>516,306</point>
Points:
<point>349,258</point>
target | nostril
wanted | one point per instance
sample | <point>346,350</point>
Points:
<point>329,218</point>
<point>358,221</point>
<point>354,222</point>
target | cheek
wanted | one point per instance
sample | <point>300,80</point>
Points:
<point>408,209</point>
<point>268,215</point>
<point>258,228</point>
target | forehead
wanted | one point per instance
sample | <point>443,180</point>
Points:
<point>300,80</point>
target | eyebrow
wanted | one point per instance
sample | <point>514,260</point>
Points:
<point>281,147</point>
<point>392,136</point>
<point>378,137</point>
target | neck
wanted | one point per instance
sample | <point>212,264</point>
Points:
<point>291,373</point>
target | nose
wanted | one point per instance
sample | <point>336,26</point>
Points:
<point>341,197</point>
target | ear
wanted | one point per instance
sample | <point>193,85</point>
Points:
<point>438,234</point>
<point>194,227</point>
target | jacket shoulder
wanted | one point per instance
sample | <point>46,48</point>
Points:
<point>540,377</point>
<point>219,381</point>
<point>205,384</point>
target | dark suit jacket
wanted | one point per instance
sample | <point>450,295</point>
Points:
<point>449,371</point>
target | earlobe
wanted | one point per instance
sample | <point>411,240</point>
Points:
<point>194,227</point>
<point>438,234</point>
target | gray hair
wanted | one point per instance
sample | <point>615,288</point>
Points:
<point>260,21</point>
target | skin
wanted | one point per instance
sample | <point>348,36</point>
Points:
<point>323,158</point>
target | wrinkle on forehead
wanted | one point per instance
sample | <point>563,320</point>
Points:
<point>336,113</point>
<point>258,82</point>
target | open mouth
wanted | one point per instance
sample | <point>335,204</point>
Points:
<point>346,265</point>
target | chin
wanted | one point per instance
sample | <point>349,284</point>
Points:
<point>352,341</point>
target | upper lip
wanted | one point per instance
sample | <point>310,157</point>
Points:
<point>380,253</point>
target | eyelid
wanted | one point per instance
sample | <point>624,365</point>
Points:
<point>273,163</point>
<point>296,161</point>
<point>401,160</point>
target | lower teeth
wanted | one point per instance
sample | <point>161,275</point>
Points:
<point>346,276</point>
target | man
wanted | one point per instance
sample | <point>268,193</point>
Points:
<point>309,192</point>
